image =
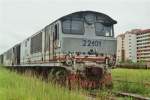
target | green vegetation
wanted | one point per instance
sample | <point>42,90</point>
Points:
<point>22,87</point>
<point>14,86</point>
<point>132,81</point>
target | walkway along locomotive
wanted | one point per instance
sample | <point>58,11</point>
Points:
<point>78,48</point>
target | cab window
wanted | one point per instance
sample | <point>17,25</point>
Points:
<point>66,26</point>
<point>75,27</point>
<point>99,29</point>
<point>103,30</point>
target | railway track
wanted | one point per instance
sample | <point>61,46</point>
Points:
<point>134,96</point>
<point>116,95</point>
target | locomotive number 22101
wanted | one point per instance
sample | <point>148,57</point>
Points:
<point>96,43</point>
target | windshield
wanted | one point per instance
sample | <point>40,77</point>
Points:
<point>73,27</point>
<point>103,30</point>
<point>76,27</point>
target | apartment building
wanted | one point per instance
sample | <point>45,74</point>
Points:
<point>134,45</point>
<point>130,47</point>
<point>120,48</point>
<point>127,47</point>
<point>143,45</point>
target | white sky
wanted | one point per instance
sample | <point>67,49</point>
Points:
<point>20,19</point>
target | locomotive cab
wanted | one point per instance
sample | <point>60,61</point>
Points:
<point>86,31</point>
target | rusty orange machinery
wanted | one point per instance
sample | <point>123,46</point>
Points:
<point>93,78</point>
<point>94,75</point>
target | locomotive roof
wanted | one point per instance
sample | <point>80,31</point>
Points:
<point>106,17</point>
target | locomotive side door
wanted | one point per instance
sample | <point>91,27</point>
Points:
<point>55,36</point>
<point>51,52</point>
<point>47,44</point>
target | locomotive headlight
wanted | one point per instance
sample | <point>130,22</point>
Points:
<point>90,18</point>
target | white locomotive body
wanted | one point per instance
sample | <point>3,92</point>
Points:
<point>77,42</point>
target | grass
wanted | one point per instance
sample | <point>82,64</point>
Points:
<point>21,87</point>
<point>132,80</point>
<point>14,86</point>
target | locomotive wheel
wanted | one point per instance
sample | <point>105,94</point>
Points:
<point>61,77</point>
<point>58,75</point>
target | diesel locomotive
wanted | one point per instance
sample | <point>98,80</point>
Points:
<point>79,47</point>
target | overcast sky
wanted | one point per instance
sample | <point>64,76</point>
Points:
<point>20,19</point>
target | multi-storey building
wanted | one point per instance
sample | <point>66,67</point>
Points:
<point>143,45</point>
<point>130,46</point>
<point>120,48</point>
<point>126,47</point>
<point>134,45</point>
